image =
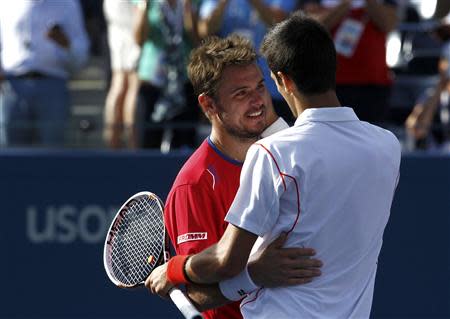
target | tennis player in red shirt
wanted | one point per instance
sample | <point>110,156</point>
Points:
<point>233,96</point>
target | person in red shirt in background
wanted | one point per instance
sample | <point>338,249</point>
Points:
<point>359,29</point>
<point>233,96</point>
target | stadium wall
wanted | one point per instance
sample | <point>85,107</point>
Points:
<point>57,206</point>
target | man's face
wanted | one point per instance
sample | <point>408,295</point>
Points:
<point>241,101</point>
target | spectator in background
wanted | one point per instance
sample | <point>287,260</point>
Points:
<point>359,29</point>
<point>42,43</point>
<point>95,23</point>
<point>165,31</point>
<point>249,18</point>
<point>120,107</point>
<point>429,122</point>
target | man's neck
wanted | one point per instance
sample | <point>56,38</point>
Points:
<point>327,99</point>
<point>233,147</point>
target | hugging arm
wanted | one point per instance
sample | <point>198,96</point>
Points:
<point>274,266</point>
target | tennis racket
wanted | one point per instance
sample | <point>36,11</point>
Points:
<point>136,243</point>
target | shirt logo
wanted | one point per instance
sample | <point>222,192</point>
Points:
<point>191,236</point>
<point>241,292</point>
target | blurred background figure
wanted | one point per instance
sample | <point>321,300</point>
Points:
<point>249,18</point>
<point>429,122</point>
<point>120,107</point>
<point>359,28</point>
<point>94,21</point>
<point>42,43</point>
<point>166,31</point>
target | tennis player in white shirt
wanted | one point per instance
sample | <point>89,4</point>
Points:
<point>328,182</point>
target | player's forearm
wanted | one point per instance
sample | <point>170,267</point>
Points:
<point>211,25</point>
<point>223,260</point>
<point>211,266</point>
<point>191,22</point>
<point>383,15</point>
<point>429,108</point>
<point>419,121</point>
<point>269,15</point>
<point>206,297</point>
<point>141,27</point>
<point>329,18</point>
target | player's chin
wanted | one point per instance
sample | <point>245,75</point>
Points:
<point>256,129</point>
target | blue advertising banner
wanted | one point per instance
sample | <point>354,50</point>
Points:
<point>413,279</point>
<point>57,206</point>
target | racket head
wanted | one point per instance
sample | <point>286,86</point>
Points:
<point>135,242</point>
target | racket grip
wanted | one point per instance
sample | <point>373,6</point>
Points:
<point>184,304</point>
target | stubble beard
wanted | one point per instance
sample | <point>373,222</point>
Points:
<point>242,134</point>
<point>239,133</point>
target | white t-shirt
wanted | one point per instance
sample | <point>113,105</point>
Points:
<point>25,46</point>
<point>329,182</point>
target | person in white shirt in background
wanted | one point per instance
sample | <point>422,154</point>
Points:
<point>327,182</point>
<point>42,43</point>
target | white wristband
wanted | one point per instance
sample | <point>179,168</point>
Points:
<point>237,287</point>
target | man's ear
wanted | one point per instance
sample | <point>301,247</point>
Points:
<point>207,104</point>
<point>286,82</point>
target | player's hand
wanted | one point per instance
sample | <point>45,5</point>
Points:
<point>157,282</point>
<point>277,266</point>
<point>57,34</point>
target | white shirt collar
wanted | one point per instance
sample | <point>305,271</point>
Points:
<point>326,114</point>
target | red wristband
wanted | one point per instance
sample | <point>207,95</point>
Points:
<point>175,270</point>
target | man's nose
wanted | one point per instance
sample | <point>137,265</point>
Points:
<point>256,98</point>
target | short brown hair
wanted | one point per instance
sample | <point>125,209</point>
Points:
<point>207,62</point>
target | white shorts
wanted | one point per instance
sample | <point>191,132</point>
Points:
<point>123,50</point>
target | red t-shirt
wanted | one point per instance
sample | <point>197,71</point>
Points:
<point>197,204</point>
<point>368,63</point>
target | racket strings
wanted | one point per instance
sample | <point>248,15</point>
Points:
<point>139,241</point>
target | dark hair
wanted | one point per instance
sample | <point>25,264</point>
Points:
<point>302,49</point>
<point>208,61</point>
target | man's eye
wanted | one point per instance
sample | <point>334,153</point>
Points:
<point>241,94</point>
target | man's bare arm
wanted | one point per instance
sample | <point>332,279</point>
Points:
<point>329,17</point>
<point>211,24</point>
<point>220,261</point>
<point>275,266</point>
<point>205,297</point>
<point>384,16</point>
<point>268,14</point>
<point>141,26</point>
<point>223,260</point>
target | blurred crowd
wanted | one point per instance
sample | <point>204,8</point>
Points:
<point>150,102</point>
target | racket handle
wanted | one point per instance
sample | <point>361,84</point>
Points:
<point>184,304</point>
